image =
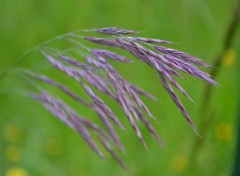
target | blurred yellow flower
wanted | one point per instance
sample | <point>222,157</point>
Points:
<point>229,56</point>
<point>12,133</point>
<point>178,163</point>
<point>13,153</point>
<point>223,131</point>
<point>15,171</point>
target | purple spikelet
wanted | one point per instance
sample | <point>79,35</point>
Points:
<point>110,55</point>
<point>115,31</point>
<point>148,40</point>
<point>104,41</point>
<point>65,114</point>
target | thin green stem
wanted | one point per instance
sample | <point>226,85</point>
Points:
<point>24,55</point>
<point>236,168</point>
<point>206,110</point>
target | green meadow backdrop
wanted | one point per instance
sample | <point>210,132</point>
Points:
<point>34,143</point>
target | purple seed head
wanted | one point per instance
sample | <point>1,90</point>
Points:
<point>94,74</point>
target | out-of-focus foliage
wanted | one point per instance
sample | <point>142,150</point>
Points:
<point>32,142</point>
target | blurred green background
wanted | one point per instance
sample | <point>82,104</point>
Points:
<point>33,143</point>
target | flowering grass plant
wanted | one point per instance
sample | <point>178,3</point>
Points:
<point>92,70</point>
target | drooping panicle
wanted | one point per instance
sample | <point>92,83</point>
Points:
<point>93,71</point>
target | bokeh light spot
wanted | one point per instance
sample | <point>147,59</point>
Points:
<point>229,57</point>
<point>13,153</point>
<point>178,163</point>
<point>13,133</point>
<point>223,132</point>
<point>15,171</point>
